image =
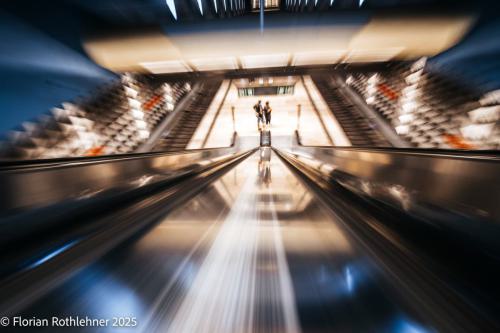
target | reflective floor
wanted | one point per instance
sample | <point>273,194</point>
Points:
<point>255,251</point>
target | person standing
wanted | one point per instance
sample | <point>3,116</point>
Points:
<point>259,113</point>
<point>267,113</point>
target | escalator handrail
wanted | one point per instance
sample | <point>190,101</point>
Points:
<point>7,165</point>
<point>31,184</point>
<point>430,152</point>
<point>456,181</point>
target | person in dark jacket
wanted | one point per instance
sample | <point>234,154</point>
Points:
<point>267,113</point>
<point>259,113</point>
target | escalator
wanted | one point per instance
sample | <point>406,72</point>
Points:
<point>264,240</point>
<point>178,138</point>
<point>356,126</point>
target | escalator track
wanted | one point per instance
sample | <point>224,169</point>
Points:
<point>268,243</point>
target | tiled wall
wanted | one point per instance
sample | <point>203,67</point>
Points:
<point>430,111</point>
<point>117,119</point>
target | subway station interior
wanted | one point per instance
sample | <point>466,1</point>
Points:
<point>145,189</point>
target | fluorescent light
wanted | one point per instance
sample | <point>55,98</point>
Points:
<point>373,79</point>
<point>134,103</point>
<point>160,67</point>
<point>409,107</point>
<point>144,134</point>
<point>265,60</point>
<point>402,130</point>
<point>477,131</point>
<point>485,114</point>
<point>373,55</point>
<point>405,118</point>
<point>201,8</point>
<point>317,58</point>
<point>171,6</point>
<point>140,124</point>
<point>209,64</point>
<point>137,114</point>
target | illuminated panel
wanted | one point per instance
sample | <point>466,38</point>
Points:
<point>317,58</point>
<point>373,55</point>
<point>160,67</point>
<point>415,36</point>
<point>210,64</point>
<point>267,60</point>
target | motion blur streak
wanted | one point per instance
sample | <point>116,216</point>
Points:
<point>226,286</point>
<point>287,294</point>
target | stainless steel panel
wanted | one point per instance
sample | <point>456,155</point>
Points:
<point>29,186</point>
<point>465,183</point>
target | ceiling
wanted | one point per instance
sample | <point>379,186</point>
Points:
<point>172,36</point>
<point>285,41</point>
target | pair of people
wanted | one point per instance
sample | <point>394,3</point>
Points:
<point>263,114</point>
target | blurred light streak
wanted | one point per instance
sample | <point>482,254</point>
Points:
<point>261,16</point>
<point>477,131</point>
<point>171,6</point>
<point>403,325</point>
<point>288,301</point>
<point>402,129</point>
<point>113,298</point>
<point>349,280</point>
<point>226,288</point>
<point>200,6</point>
<point>52,254</point>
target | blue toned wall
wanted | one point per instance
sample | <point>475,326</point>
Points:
<point>38,72</point>
<point>476,59</point>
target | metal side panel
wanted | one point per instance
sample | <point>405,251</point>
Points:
<point>460,182</point>
<point>43,183</point>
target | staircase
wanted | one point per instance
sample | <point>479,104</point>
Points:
<point>357,128</point>
<point>178,138</point>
